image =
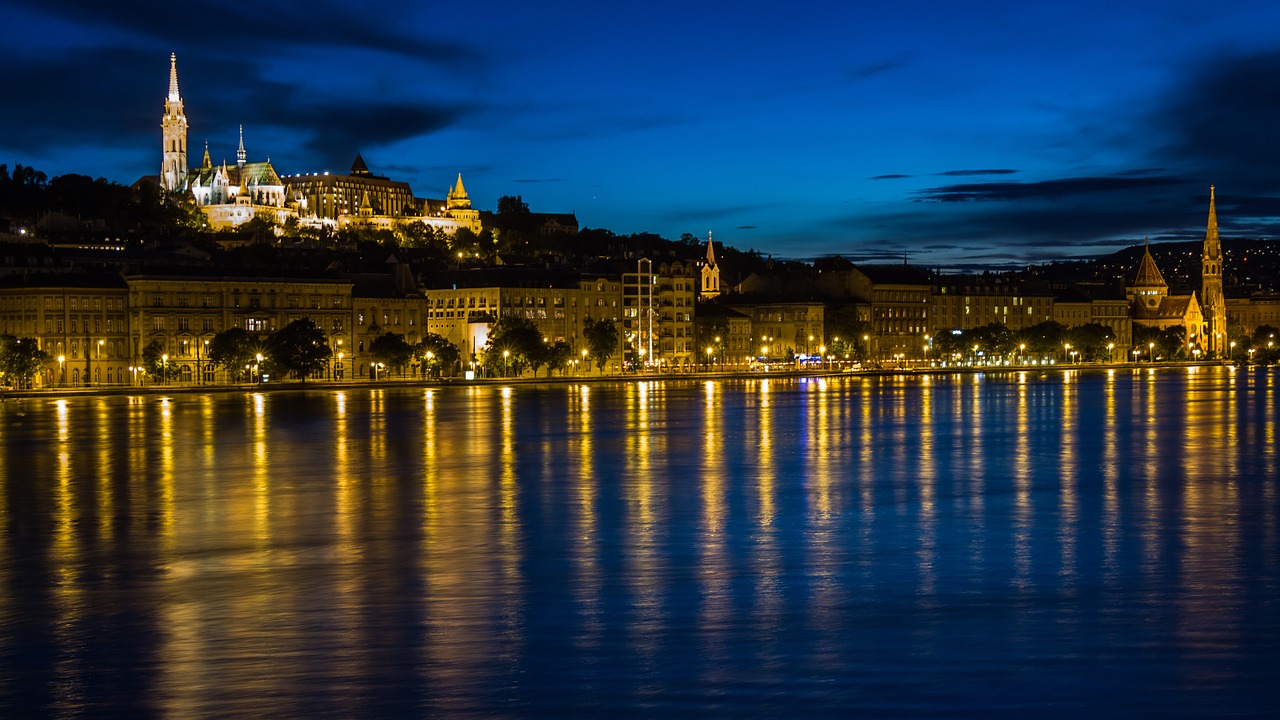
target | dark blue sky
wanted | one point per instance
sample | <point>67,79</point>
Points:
<point>984,132</point>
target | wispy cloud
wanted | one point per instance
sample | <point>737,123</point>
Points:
<point>974,173</point>
<point>882,66</point>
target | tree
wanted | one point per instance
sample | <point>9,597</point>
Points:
<point>514,343</point>
<point>437,354</point>
<point>20,360</point>
<point>844,332</point>
<point>713,333</point>
<point>1043,339</point>
<point>392,350</point>
<point>602,340</point>
<point>299,348</point>
<point>1091,341</point>
<point>157,364</point>
<point>558,355</point>
<point>234,349</point>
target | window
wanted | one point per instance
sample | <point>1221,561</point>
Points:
<point>184,324</point>
<point>255,325</point>
<point>157,323</point>
<point>206,324</point>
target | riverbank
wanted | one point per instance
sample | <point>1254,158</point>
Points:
<point>296,385</point>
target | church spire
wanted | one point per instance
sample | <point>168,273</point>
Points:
<point>206,164</point>
<point>711,250</point>
<point>1212,300</point>
<point>173,78</point>
<point>173,135</point>
<point>240,154</point>
<point>457,198</point>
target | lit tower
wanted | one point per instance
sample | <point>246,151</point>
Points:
<point>710,271</point>
<point>173,127</point>
<point>1211,297</point>
<point>240,153</point>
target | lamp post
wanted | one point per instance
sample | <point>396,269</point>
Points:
<point>430,356</point>
<point>506,356</point>
<point>1022,353</point>
<point>1151,352</point>
<point>1111,355</point>
<point>710,353</point>
<point>100,343</point>
<point>164,369</point>
<point>1136,353</point>
<point>584,357</point>
<point>62,378</point>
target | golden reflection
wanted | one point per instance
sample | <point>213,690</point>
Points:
<point>1068,475</point>
<point>714,577</point>
<point>1111,534</point>
<point>586,545</point>
<point>644,567</point>
<point>927,474</point>
<point>345,498</point>
<point>1022,508</point>
<point>103,436</point>
<point>261,473</point>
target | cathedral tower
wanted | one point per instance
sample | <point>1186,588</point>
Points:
<point>1211,297</point>
<point>710,271</point>
<point>173,127</point>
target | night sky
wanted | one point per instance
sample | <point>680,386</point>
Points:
<point>989,132</point>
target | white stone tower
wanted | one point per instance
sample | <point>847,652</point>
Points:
<point>173,128</point>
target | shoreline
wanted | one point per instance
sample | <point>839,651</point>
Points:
<point>296,385</point>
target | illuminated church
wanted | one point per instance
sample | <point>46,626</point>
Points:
<point>1203,317</point>
<point>228,195</point>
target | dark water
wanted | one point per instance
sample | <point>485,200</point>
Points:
<point>1094,544</point>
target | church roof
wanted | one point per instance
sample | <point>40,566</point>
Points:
<point>1148,274</point>
<point>358,167</point>
<point>1171,307</point>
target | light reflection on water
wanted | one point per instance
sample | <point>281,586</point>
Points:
<point>995,545</point>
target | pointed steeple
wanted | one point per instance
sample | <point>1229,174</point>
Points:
<point>1149,276</point>
<point>711,250</point>
<point>206,164</point>
<point>173,78</point>
<point>1212,300</point>
<point>358,167</point>
<point>173,132</point>
<point>240,153</point>
<point>1212,244</point>
<point>710,271</point>
<point>457,198</point>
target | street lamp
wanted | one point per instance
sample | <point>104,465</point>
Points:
<point>1022,353</point>
<point>506,355</point>
<point>62,378</point>
<point>1111,352</point>
<point>164,369</point>
<point>1151,352</point>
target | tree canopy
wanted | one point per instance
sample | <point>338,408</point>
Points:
<point>602,340</point>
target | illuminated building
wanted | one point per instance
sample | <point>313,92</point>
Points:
<point>1151,305</point>
<point>228,196</point>
<point>710,272</point>
<point>1212,299</point>
<point>83,319</point>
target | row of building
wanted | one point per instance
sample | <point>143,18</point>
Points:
<point>94,327</point>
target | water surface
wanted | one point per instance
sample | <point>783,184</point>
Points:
<point>1060,545</point>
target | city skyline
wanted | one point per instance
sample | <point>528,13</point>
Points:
<point>1001,134</point>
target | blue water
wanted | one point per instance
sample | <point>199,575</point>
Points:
<point>987,546</point>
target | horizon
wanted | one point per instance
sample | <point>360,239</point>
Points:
<point>995,137</point>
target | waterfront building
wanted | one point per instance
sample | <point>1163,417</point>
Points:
<point>780,326</point>
<point>1151,305</point>
<point>970,301</point>
<point>735,345</point>
<point>381,303</point>
<point>657,315</point>
<point>184,311</point>
<point>79,321</point>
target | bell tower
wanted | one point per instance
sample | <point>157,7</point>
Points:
<point>1211,297</point>
<point>173,128</point>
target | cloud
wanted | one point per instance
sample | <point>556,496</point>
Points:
<point>892,63</point>
<point>268,28</point>
<point>747,227</point>
<point>1042,190</point>
<point>1223,121</point>
<point>968,173</point>
<point>890,177</point>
